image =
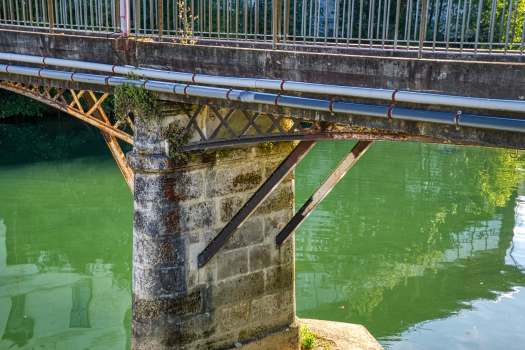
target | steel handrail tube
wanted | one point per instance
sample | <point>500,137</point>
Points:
<point>460,102</point>
<point>278,100</point>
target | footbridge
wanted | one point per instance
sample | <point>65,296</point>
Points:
<point>226,97</point>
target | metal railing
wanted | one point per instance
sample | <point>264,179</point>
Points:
<point>464,26</point>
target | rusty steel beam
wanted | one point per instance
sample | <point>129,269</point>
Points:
<point>65,107</point>
<point>337,174</point>
<point>256,200</point>
<point>111,141</point>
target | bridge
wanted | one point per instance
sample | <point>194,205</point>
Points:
<point>228,97</point>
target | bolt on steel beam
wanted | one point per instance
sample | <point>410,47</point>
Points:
<point>337,174</point>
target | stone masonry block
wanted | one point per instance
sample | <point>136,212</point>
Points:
<point>280,278</point>
<point>200,215</point>
<point>270,167</point>
<point>182,304</point>
<point>235,290</point>
<point>235,316</point>
<point>273,225</point>
<point>229,207</point>
<point>182,186</point>
<point>154,251</point>
<point>159,281</point>
<point>174,187</point>
<point>260,257</point>
<point>230,180</point>
<point>232,263</point>
<point>281,198</point>
<point>250,233</point>
<point>157,222</point>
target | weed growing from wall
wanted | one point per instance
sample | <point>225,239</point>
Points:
<point>136,100</point>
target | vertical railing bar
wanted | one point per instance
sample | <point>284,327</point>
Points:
<point>406,20</point>
<point>447,26</point>
<point>350,22</point>
<point>85,16</point>
<point>385,23</point>
<point>522,36</point>
<point>388,19</point>
<point>371,22</point>
<point>316,21</point>
<point>160,18</point>
<point>342,22</point>
<point>294,21</point>
<point>360,22</point>
<point>256,20</point>
<point>16,13</point>
<point>508,28</point>
<point>107,16</point>
<point>4,12</point>
<point>398,10</point>
<point>423,28</point>
<point>480,6</point>
<point>492,20</point>
<point>310,20</point>
<point>468,20</point>
<point>409,24</point>
<point>91,15</point>
<point>456,28</point>
<point>50,15</point>
<point>24,12</point>
<point>415,19</point>
<point>514,22</point>
<point>463,26</point>
<point>303,21</point>
<point>335,31</point>
<point>379,2</point>
<point>502,20</point>
<point>11,14</point>
<point>29,3</point>
<point>245,26</point>
<point>326,22</point>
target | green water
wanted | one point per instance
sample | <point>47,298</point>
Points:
<point>422,244</point>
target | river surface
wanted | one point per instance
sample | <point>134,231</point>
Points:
<point>422,244</point>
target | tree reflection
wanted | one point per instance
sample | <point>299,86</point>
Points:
<point>412,233</point>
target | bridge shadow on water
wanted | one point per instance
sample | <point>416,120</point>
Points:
<point>414,234</point>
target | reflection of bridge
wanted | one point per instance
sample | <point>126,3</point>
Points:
<point>231,75</point>
<point>58,308</point>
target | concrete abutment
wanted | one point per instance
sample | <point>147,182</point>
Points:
<point>245,294</point>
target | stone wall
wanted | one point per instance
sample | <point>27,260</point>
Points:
<point>246,291</point>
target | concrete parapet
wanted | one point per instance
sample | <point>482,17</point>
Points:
<point>246,292</point>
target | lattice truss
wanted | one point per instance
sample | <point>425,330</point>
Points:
<point>86,106</point>
<point>210,127</point>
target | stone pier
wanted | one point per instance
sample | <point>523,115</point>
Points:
<point>245,294</point>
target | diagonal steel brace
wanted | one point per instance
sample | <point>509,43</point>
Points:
<point>256,200</point>
<point>337,174</point>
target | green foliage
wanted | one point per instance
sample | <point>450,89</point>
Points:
<point>266,147</point>
<point>224,153</point>
<point>21,143</point>
<point>13,104</point>
<point>130,98</point>
<point>307,338</point>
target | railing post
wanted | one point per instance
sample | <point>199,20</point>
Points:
<point>124,18</point>
<point>51,16</point>
<point>275,12</point>
<point>160,14</point>
<point>117,10</point>
<point>423,28</point>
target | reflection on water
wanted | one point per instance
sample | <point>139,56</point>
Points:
<point>65,249</point>
<point>419,243</point>
<point>423,244</point>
